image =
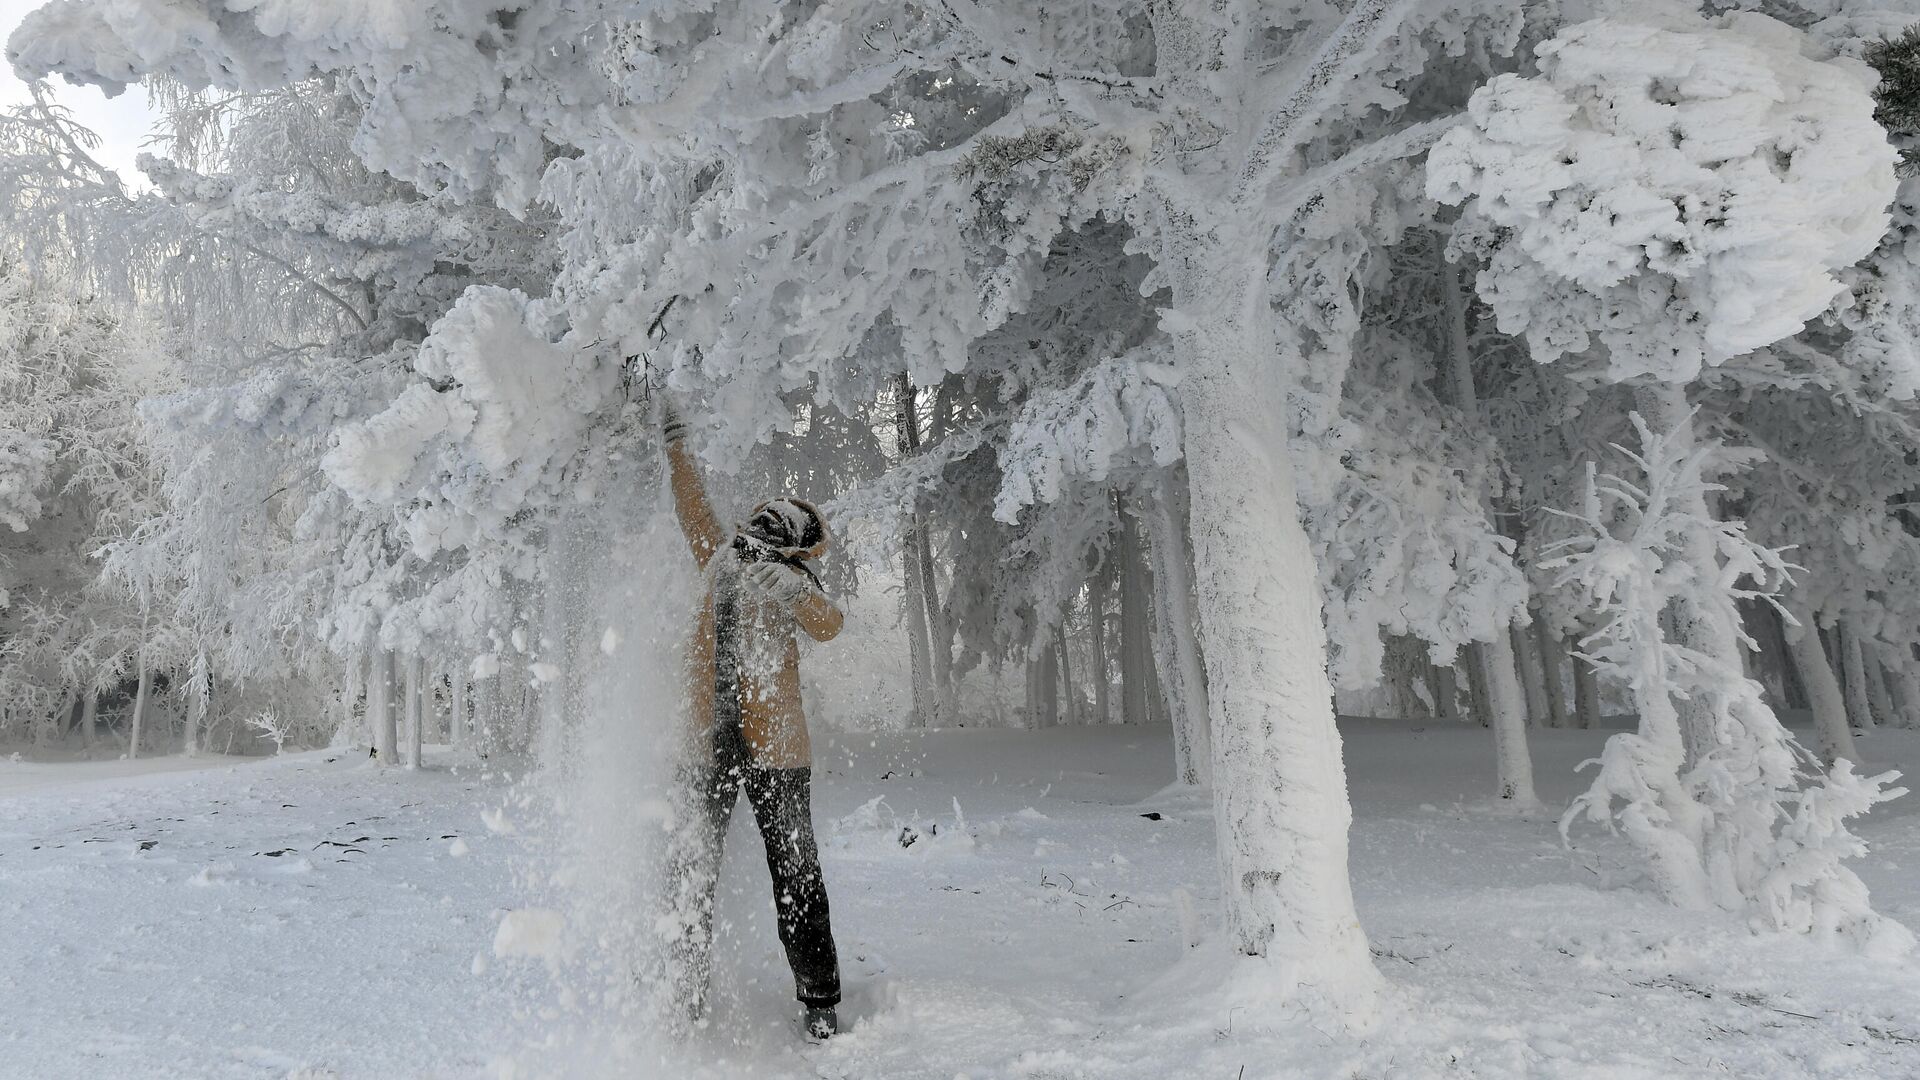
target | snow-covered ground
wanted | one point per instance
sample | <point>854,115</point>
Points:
<point>315,916</point>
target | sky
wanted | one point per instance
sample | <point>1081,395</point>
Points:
<point>122,122</point>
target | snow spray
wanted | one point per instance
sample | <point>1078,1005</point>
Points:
<point>620,594</point>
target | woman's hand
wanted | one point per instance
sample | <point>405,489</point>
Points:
<point>780,583</point>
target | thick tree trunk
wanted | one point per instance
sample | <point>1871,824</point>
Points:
<point>1823,689</point>
<point>1497,696</point>
<point>1472,662</point>
<point>349,697</point>
<point>1043,690</point>
<point>1069,693</point>
<point>1136,652</point>
<point>922,656</point>
<point>457,707</point>
<point>1446,694</point>
<point>140,696</point>
<point>1906,675</point>
<point>1879,694</point>
<point>89,712</point>
<point>1176,645</point>
<point>1586,691</point>
<point>1097,640</point>
<point>1504,702</point>
<point>1279,780</point>
<point>416,708</point>
<point>1532,671</point>
<point>197,692</point>
<point>380,718</point>
<point>1859,697</point>
<point>916,564</point>
<point>1551,648</point>
<point>1702,628</point>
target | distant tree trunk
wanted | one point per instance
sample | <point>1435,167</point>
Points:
<point>913,571</point>
<point>416,711</point>
<point>1497,694</point>
<point>89,710</point>
<point>486,707</point>
<point>349,697</point>
<point>1859,698</point>
<point>197,692</point>
<point>457,708</point>
<point>1508,712</point>
<point>140,696</point>
<point>1906,676</point>
<point>1586,693</point>
<point>1823,689</point>
<point>1697,626</point>
<point>380,718</point>
<point>1532,669</point>
<point>1097,640</point>
<point>1069,693</point>
<point>1446,694</point>
<point>1043,692</point>
<point>1550,649</point>
<point>1177,645</point>
<point>1136,651</point>
<point>1473,662</point>
<point>59,723</point>
<point>1879,694</point>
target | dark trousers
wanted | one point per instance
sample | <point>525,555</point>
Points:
<point>782,801</point>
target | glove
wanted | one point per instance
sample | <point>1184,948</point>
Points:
<point>672,428</point>
<point>781,584</point>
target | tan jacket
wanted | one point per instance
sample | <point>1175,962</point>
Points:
<point>771,716</point>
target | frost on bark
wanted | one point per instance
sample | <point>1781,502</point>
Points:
<point>380,713</point>
<point>1824,698</point>
<point>1279,781</point>
<point>1176,647</point>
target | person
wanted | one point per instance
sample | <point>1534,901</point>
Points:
<point>748,732</point>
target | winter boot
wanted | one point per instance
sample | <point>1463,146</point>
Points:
<point>821,1023</point>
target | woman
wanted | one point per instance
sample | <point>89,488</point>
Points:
<point>749,732</point>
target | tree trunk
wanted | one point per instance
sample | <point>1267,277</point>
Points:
<point>457,707</point>
<point>1823,689</point>
<point>1069,693</point>
<point>1550,649</point>
<point>1097,641</point>
<point>1497,696</point>
<point>1136,655</point>
<point>1586,691</point>
<point>1043,691</point>
<point>913,571</point>
<point>939,625</point>
<point>1280,789</point>
<point>1446,694</point>
<point>1472,661</point>
<point>89,711</point>
<point>1702,628</point>
<point>1906,675</point>
<point>921,652</point>
<point>1879,694</point>
<point>380,718</point>
<point>1532,681</point>
<point>349,697</point>
<point>140,696</point>
<point>416,708</point>
<point>197,692</point>
<point>1177,647</point>
<point>1859,698</point>
<point>1504,702</point>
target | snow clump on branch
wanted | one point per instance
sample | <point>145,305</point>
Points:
<point>1683,188</point>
